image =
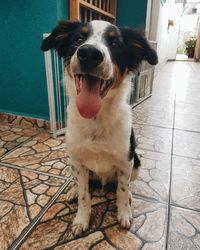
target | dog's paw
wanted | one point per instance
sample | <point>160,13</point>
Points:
<point>80,225</point>
<point>125,218</point>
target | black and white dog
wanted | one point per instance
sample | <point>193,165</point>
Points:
<point>99,61</point>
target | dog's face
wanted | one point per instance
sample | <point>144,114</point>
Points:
<point>97,55</point>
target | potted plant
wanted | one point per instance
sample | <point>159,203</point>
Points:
<point>190,46</point>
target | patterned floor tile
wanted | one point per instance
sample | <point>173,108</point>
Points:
<point>185,190</point>
<point>22,196</point>
<point>187,144</point>
<point>41,153</point>
<point>11,137</point>
<point>153,138</point>
<point>184,229</point>
<point>153,180</point>
<point>153,118</point>
<point>157,105</point>
<point>104,231</point>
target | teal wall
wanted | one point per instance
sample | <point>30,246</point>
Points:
<point>23,88</point>
<point>131,13</point>
<point>22,74</point>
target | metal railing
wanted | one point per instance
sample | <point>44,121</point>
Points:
<point>57,94</point>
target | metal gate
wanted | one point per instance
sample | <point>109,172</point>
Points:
<point>57,94</point>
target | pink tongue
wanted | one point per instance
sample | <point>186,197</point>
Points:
<point>88,101</point>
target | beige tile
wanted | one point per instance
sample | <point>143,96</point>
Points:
<point>153,180</point>
<point>185,189</point>
<point>153,118</point>
<point>153,138</point>
<point>190,122</point>
<point>184,229</point>
<point>186,144</point>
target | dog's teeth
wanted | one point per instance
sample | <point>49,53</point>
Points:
<point>81,82</point>
<point>103,85</point>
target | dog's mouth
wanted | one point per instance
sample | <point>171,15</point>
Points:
<point>90,90</point>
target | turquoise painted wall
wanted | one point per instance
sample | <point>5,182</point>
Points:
<point>22,74</point>
<point>131,13</point>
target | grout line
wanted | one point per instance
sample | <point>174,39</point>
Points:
<point>187,130</point>
<point>187,157</point>
<point>185,208</point>
<point>17,243</point>
<point>166,127</point>
<point>33,170</point>
<point>170,179</point>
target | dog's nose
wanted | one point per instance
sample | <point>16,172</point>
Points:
<point>89,56</point>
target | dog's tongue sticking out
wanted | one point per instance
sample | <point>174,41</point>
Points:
<point>88,98</point>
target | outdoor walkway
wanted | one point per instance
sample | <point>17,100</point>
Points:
<point>166,197</point>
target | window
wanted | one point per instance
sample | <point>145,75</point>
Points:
<point>87,10</point>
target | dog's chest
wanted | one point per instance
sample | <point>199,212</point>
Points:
<point>99,145</point>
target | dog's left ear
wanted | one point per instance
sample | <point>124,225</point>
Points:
<point>137,48</point>
<point>60,37</point>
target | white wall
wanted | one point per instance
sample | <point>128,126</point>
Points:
<point>166,39</point>
<point>163,34</point>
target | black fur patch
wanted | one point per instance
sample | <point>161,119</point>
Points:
<point>66,37</point>
<point>132,153</point>
<point>137,48</point>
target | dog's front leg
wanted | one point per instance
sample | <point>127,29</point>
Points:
<point>81,221</point>
<point>124,214</point>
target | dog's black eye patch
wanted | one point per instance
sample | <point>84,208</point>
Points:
<point>66,37</point>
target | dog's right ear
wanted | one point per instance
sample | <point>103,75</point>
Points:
<point>60,37</point>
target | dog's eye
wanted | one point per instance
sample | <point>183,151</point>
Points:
<point>114,44</point>
<point>79,40</point>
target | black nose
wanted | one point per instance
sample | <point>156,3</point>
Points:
<point>89,57</point>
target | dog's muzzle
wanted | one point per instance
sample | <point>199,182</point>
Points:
<point>91,83</point>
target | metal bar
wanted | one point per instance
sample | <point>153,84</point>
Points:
<point>50,88</point>
<point>64,92</point>
<point>59,91</point>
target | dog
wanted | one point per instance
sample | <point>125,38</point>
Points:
<point>100,60</point>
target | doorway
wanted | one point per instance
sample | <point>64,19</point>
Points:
<point>188,28</point>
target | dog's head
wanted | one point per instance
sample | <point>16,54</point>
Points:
<point>97,55</point>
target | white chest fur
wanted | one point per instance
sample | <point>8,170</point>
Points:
<point>103,142</point>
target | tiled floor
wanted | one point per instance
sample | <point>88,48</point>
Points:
<point>34,179</point>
